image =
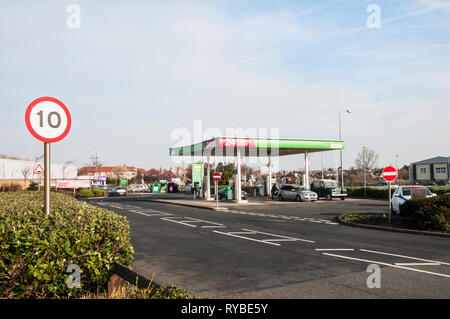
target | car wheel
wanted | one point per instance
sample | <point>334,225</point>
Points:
<point>298,199</point>
<point>329,197</point>
<point>280,197</point>
<point>342,198</point>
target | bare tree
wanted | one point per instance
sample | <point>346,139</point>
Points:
<point>367,158</point>
<point>26,172</point>
<point>66,166</point>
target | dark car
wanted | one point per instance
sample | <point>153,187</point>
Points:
<point>328,189</point>
<point>172,187</point>
<point>222,194</point>
<point>117,191</point>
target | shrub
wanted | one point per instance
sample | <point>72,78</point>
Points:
<point>32,187</point>
<point>371,192</point>
<point>10,187</point>
<point>85,192</point>
<point>431,212</point>
<point>36,249</point>
<point>99,192</point>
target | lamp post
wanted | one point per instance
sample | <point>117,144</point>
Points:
<point>340,151</point>
<point>396,162</point>
<point>364,166</point>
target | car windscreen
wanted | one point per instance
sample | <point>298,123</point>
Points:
<point>406,191</point>
<point>331,185</point>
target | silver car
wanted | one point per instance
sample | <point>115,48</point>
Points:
<point>297,193</point>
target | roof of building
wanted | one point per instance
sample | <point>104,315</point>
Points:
<point>434,160</point>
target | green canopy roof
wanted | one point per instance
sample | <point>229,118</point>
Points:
<point>228,146</point>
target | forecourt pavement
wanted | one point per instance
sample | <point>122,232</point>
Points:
<point>299,251</point>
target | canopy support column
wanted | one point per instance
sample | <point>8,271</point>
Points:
<point>238,195</point>
<point>208,179</point>
<point>306,171</point>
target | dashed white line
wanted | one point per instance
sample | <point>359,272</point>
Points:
<point>247,238</point>
<point>334,249</point>
<point>403,256</point>
<point>417,264</point>
<point>387,264</point>
<point>296,239</point>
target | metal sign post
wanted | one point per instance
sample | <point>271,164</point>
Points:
<point>390,208</point>
<point>217,194</point>
<point>47,178</point>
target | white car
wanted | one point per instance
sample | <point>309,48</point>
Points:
<point>403,194</point>
<point>297,193</point>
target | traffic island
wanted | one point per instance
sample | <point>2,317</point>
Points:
<point>381,222</point>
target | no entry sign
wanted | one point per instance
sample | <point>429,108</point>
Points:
<point>48,119</point>
<point>217,176</point>
<point>389,173</point>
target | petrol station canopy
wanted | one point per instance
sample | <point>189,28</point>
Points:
<point>247,146</point>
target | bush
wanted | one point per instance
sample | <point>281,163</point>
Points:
<point>85,192</point>
<point>99,192</point>
<point>32,187</point>
<point>430,213</point>
<point>36,249</point>
<point>10,187</point>
<point>371,192</point>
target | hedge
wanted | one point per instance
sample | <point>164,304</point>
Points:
<point>36,249</point>
<point>86,192</point>
<point>430,213</point>
<point>382,192</point>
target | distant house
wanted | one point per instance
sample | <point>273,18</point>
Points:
<point>430,171</point>
<point>110,171</point>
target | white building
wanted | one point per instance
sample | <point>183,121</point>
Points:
<point>20,170</point>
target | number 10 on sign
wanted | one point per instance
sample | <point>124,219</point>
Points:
<point>48,120</point>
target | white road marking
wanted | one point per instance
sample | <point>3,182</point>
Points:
<point>275,235</point>
<point>296,218</point>
<point>252,239</point>
<point>334,249</point>
<point>387,264</point>
<point>214,226</point>
<point>417,264</point>
<point>409,257</point>
<point>187,220</point>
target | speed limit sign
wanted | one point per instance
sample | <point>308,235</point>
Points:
<point>48,119</point>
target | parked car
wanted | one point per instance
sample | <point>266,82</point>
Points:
<point>403,194</point>
<point>297,193</point>
<point>188,189</point>
<point>328,189</point>
<point>172,187</point>
<point>117,191</point>
<point>386,184</point>
<point>222,194</point>
<point>102,187</point>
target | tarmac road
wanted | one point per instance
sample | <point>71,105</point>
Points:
<point>280,250</point>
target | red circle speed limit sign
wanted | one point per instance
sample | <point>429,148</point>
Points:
<point>217,176</point>
<point>389,173</point>
<point>48,119</point>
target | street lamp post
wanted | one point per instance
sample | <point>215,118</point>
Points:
<point>340,151</point>
<point>364,164</point>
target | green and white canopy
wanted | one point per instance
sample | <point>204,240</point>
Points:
<point>228,146</point>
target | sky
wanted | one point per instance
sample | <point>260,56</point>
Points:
<point>136,71</point>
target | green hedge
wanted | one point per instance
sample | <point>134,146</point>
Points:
<point>382,192</point>
<point>36,249</point>
<point>430,213</point>
<point>86,192</point>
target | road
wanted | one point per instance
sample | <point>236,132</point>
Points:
<point>280,250</point>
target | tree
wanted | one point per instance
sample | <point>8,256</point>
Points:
<point>227,170</point>
<point>367,158</point>
<point>25,172</point>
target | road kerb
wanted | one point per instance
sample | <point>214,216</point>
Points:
<point>392,229</point>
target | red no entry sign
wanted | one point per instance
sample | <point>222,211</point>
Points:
<point>389,173</point>
<point>217,176</point>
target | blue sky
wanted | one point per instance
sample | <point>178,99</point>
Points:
<point>137,70</point>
